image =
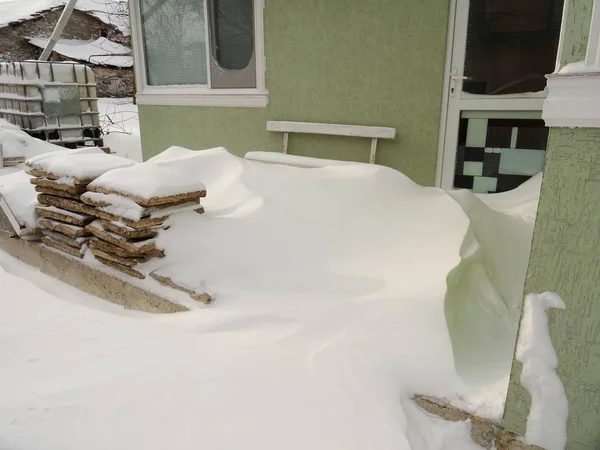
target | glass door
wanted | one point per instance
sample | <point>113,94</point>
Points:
<point>502,50</point>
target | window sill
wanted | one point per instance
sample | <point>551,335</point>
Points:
<point>573,98</point>
<point>241,98</point>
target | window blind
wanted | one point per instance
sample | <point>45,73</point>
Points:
<point>174,42</point>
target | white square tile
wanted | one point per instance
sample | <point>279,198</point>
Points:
<point>473,168</point>
<point>482,185</point>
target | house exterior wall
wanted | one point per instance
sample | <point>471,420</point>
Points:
<point>564,259</point>
<point>342,61</point>
<point>14,46</point>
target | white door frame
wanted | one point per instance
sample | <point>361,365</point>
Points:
<point>455,101</point>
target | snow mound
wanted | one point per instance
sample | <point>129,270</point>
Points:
<point>315,220</point>
<point>330,288</point>
<point>99,51</point>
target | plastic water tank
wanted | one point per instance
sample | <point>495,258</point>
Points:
<point>53,101</point>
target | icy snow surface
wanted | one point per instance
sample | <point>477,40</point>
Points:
<point>99,51</point>
<point>82,165</point>
<point>148,181</point>
<point>331,309</point>
<point>547,421</point>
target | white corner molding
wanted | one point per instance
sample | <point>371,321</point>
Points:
<point>573,99</point>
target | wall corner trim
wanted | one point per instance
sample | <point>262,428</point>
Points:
<point>573,99</point>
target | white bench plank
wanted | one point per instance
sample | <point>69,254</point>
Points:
<point>332,129</point>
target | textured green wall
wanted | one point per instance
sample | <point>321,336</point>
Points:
<point>379,62</point>
<point>564,259</point>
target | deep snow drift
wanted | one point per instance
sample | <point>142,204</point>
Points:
<point>331,307</point>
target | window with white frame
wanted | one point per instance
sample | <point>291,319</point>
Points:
<point>200,47</point>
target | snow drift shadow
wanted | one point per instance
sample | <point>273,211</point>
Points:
<point>484,291</point>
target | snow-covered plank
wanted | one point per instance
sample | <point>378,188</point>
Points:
<point>332,129</point>
<point>293,160</point>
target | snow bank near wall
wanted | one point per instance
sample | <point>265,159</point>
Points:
<point>547,421</point>
<point>485,290</point>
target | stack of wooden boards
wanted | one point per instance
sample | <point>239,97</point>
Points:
<point>9,161</point>
<point>60,179</point>
<point>132,205</point>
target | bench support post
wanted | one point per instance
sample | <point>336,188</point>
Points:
<point>285,141</point>
<point>373,150</point>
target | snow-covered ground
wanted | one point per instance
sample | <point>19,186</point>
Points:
<point>121,127</point>
<point>338,294</point>
<point>80,372</point>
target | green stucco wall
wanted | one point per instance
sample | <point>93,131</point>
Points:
<point>564,258</point>
<point>379,63</point>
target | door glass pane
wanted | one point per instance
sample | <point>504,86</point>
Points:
<point>174,41</point>
<point>498,154</point>
<point>511,45</point>
<point>234,33</point>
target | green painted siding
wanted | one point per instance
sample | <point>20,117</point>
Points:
<point>379,62</point>
<point>564,259</point>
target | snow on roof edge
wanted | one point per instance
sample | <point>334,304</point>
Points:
<point>38,8</point>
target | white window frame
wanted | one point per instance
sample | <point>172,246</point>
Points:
<point>199,95</point>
